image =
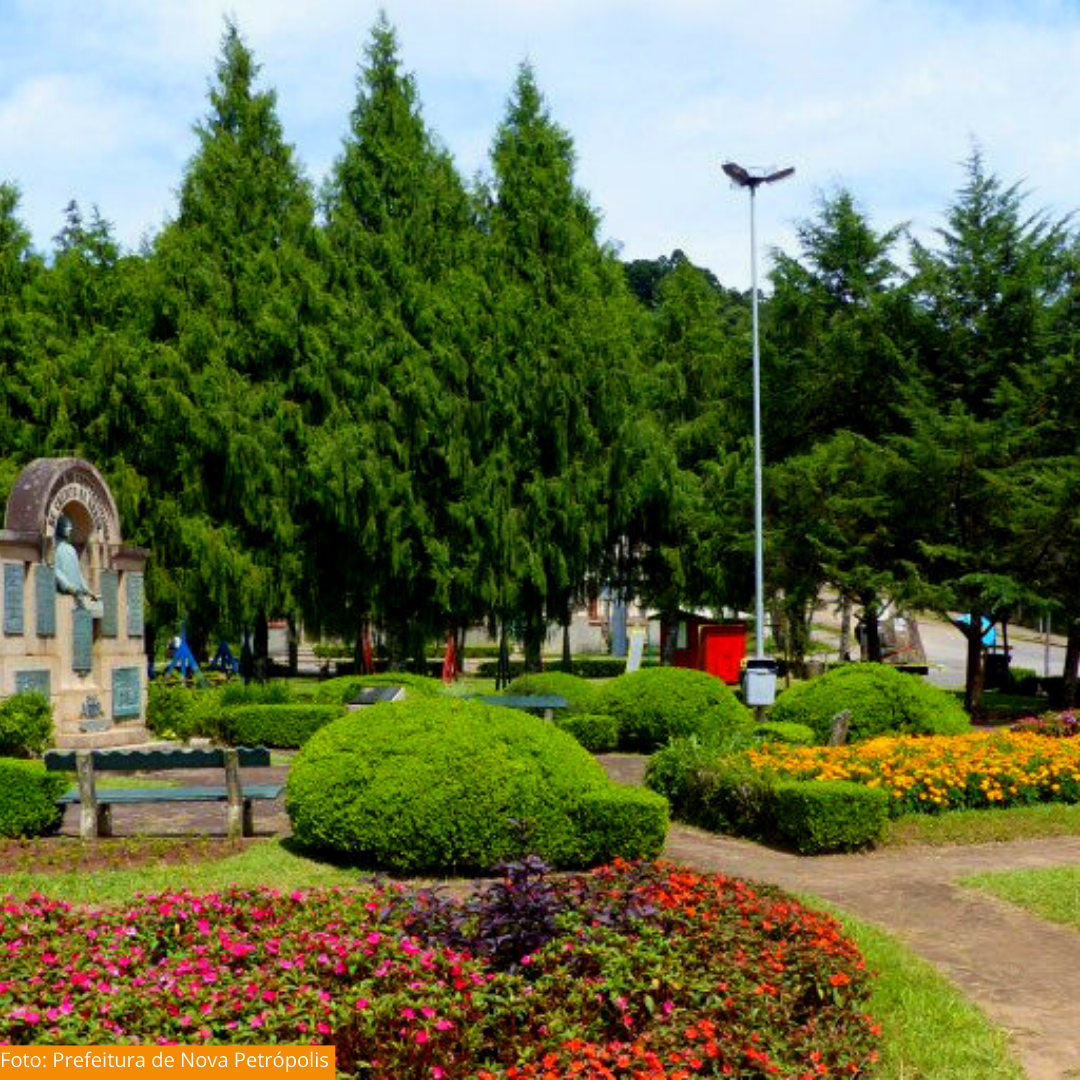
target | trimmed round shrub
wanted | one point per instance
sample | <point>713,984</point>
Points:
<point>578,692</point>
<point>342,690</point>
<point>621,822</point>
<point>599,734</point>
<point>445,785</point>
<point>283,726</point>
<point>654,705</point>
<point>28,797</point>
<point>881,701</point>
<point>25,724</point>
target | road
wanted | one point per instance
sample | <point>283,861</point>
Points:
<point>946,647</point>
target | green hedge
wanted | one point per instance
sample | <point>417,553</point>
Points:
<point>28,797</point>
<point>621,822</point>
<point>175,711</point>
<point>881,701</point>
<point>237,692</point>
<point>819,816</point>
<point>449,786</point>
<point>716,790</point>
<point>657,704</point>
<point>784,731</point>
<point>599,734</point>
<point>25,724</point>
<point>342,690</point>
<point>282,726</point>
<point>722,791</point>
<point>578,692</point>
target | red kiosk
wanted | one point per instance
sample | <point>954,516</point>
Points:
<point>707,645</point>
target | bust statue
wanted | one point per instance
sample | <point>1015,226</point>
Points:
<point>69,577</point>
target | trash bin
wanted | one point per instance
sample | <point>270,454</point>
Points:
<point>996,670</point>
<point>759,685</point>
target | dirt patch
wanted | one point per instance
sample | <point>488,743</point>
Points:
<point>66,854</point>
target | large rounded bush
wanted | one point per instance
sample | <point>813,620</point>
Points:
<point>578,692</point>
<point>880,699</point>
<point>447,785</point>
<point>657,704</point>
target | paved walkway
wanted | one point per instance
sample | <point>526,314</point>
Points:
<point>1023,972</point>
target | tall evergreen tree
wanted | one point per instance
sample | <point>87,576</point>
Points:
<point>238,300</point>
<point>398,453</point>
<point>560,351</point>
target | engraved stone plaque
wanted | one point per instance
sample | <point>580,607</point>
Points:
<point>45,600</point>
<point>135,605</point>
<point>82,641</point>
<point>125,693</point>
<point>110,600</point>
<point>32,680</point>
<point>13,598</point>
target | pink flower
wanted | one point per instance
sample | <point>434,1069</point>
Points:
<point>421,1036</point>
<point>362,1003</point>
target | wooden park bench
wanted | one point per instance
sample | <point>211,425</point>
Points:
<point>545,703</point>
<point>95,818</point>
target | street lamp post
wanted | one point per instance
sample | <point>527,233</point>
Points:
<point>761,672</point>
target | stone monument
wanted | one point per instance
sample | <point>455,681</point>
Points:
<point>73,604</point>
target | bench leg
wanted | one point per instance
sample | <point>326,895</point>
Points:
<point>235,818</point>
<point>88,821</point>
<point>104,819</point>
<point>249,818</point>
<point>549,714</point>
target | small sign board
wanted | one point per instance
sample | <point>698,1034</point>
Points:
<point>637,648</point>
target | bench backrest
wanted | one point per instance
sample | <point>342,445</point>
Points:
<point>120,760</point>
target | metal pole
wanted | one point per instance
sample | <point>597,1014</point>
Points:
<point>1046,646</point>
<point>759,556</point>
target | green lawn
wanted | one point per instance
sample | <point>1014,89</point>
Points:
<point>1052,894</point>
<point>985,826</point>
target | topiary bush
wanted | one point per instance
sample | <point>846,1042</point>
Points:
<point>657,704</point>
<point>620,822</point>
<point>282,726</point>
<point>819,816</point>
<point>880,699</point>
<point>342,690</point>
<point>28,797</point>
<point>599,734</point>
<point>25,724</point>
<point>578,692</point>
<point>446,785</point>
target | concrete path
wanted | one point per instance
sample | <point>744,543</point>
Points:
<point>1023,973</point>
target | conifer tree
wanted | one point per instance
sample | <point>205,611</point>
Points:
<point>560,354</point>
<point>238,302</point>
<point>397,456</point>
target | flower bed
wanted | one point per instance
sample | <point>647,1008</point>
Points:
<point>940,772</point>
<point>1062,725</point>
<point>633,971</point>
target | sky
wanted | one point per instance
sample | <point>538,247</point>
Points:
<point>885,97</point>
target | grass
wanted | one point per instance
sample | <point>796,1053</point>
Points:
<point>930,1031</point>
<point>985,826</point>
<point>1052,893</point>
<point>115,782</point>
<point>262,863</point>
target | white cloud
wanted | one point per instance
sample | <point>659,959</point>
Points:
<point>883,95</point>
